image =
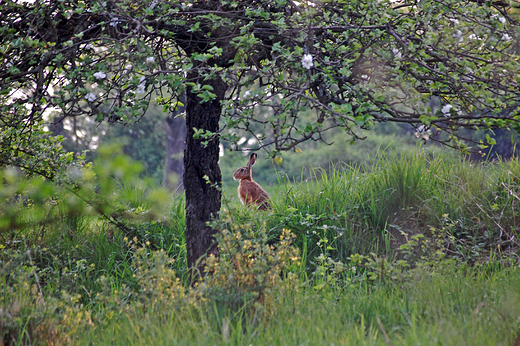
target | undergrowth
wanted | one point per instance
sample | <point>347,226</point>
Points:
<point>347,257</point>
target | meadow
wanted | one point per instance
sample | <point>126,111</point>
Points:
<point>415,248</point>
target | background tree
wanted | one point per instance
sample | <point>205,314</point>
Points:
<point>247,66</point>
<point>175,132</point>
<point>144,140</point>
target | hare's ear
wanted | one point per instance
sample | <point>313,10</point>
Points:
<point>252,160</point>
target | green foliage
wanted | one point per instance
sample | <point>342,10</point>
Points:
<point>400,198</point>
<point>294,71</point>
<point>251,270</point>
<point>28,315</point>
<point>81,230</point>
<point>380,238</point>
<point>469,305</point>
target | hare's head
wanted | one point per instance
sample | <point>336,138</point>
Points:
<point>244,173</point>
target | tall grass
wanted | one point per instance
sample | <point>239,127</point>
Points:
<point>416,249</point>
<point>403,195</point>
<point>452,307</point>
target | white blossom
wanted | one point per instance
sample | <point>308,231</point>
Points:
<point>114,21</point>
<point>90,97</point>
<point>446,110</point>
<point>10,63</point>
<point>307,61</point>
<point>454,20</point>
<point>129,67</point>
<point>397,53</point>
<point>423,132</point>
<point>141,88</point>
<point>502,20</point>
<point>89,46</point>
<point>474,37</point>
<point>458,35</point>
<point>493,16</point>
<point>506,37</point>
<point>150,60</point>
<point>100,75</point>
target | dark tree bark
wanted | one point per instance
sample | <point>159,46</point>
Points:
<point>202,177</point>
<point>175,132</point>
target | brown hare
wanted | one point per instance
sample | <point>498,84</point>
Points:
<point>249,191</point>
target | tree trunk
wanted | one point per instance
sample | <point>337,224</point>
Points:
<point>175,131</point>
<point>202,177</point>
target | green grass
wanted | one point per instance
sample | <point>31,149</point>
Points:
<point>414,249</point>
<point>448,307</point>
<point>400,196</point>
<point>301,166</point>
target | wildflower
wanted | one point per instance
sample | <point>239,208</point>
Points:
<point>129,67</point>
<point>307,61</point>
<point>454,20</point>
<point>446,110</point>
<point>247,94</point>
<point>90,97</point>
<point>397,53</point>
<point>423,132</point>
<point>100,75</point>
<point>150,60</point>
<point>502,20</point>
<point>474,37</point>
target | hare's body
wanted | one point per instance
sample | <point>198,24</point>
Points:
<point>249,191</point>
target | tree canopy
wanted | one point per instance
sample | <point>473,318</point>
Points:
<point>253,66</point>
